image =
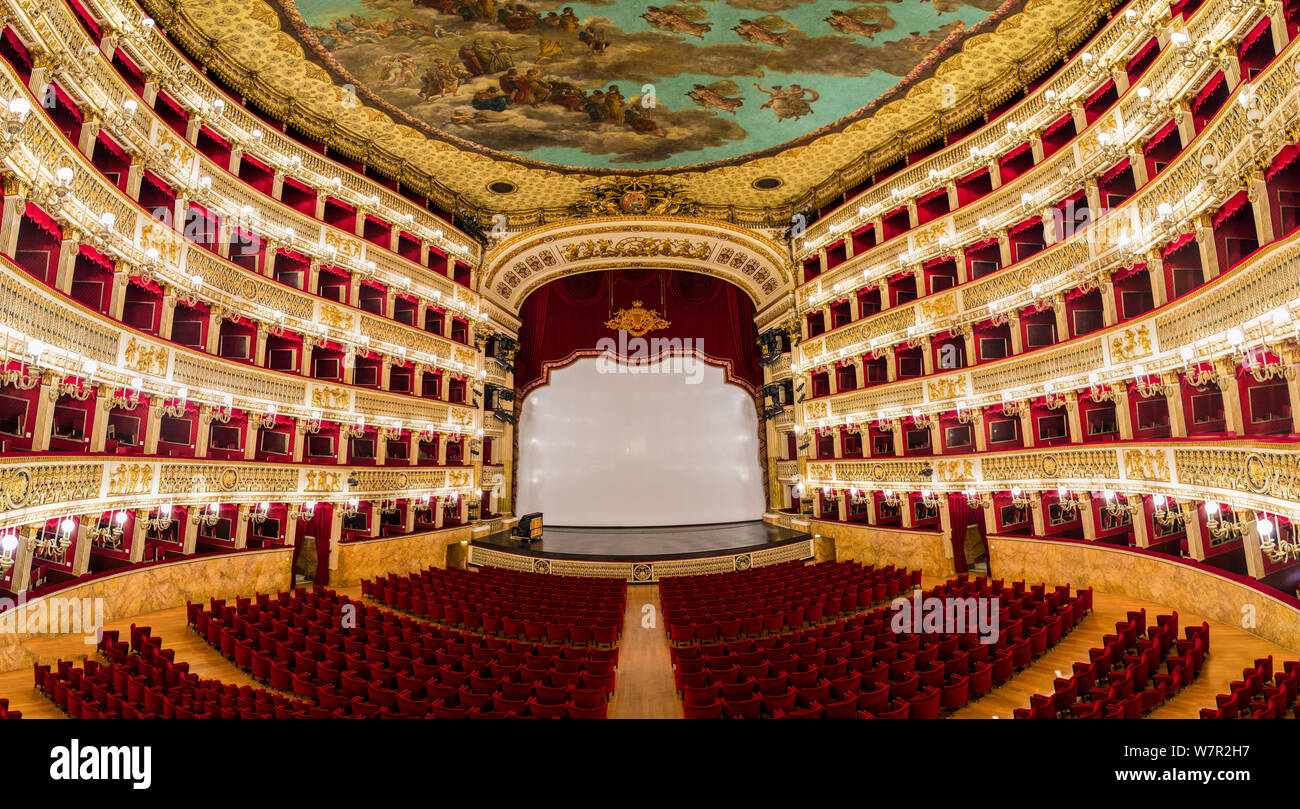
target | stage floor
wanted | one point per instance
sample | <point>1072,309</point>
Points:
<point>646,544</point>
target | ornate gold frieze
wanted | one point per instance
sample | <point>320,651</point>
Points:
<point>130,479</point>
<point>636,247</point>
<point>634,196</point>
<point>145,358</point>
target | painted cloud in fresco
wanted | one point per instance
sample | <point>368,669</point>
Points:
<point>630,85</point>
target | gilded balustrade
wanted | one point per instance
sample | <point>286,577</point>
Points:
<point>1259,476</point>
<point>33,490</point>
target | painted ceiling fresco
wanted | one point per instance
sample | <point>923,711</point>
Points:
<point>613,84</point>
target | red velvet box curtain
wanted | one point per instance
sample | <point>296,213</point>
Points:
<point>567,316</point>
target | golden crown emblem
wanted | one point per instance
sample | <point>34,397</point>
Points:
<point>638,320</point>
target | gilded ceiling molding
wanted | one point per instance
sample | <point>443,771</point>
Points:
<point>276,74</point>
<point>518,266</point>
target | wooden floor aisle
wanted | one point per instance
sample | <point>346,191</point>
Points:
<point>644,686</point>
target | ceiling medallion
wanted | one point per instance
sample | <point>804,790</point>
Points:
<point>635,196</point>
<point>638,320</point>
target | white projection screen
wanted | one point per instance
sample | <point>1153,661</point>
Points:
<point>639,447</point>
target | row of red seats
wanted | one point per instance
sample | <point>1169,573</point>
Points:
<point>862,668</point>
<point>510,604</point>
<point>145,683</point>
<point>393,665</point>
<point>778,597</point>
<point>1253,698</point>
<point>1121,680</point>
<point>5,713</point>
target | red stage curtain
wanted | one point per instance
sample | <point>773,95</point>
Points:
<point>568,315</point>
<point>959,517</point>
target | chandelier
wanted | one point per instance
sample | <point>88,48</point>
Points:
<point>264,421</point>
<point>353,431</point>
<point>976,499</point>
<point>967,414</point>
<point>312,425</point>
<point>1116,508</point>
<point>930,500</point>
<point>304,512</point>
<point>126,399</point>
<point>8,545</point>
<point>259,514</point>
<point>1200,376</point>
<point>221,415</point>
<point>1067,500</point>
<point>1263,371</point>
<point>1275,547</point>
<point>1148,389</point>
<point>891,498</point>
<point>209,516</point>
<point>858,497</point>
<point>161,520</point>
<point>175,408</point>
<point>107,534</point>
<point>349,508</point>
<point>53,545</point>
<point>1100,393</point>
<point>13,118</point>
<point>1166,512</point>
<point>1020,500</point>
<point>1219,527</point>
<point>19,378</point>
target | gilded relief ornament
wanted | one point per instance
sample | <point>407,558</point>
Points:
<point>638,320</point>
<point>634,196</point>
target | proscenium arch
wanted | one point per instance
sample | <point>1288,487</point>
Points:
<point>524,263</point>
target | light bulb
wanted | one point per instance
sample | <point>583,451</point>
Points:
<point>1211,507</point>
<point>9,542</point>
<point>63,175</point>
<point>67,525</point>
<point>1264,527</point>
<point>19,106</point>
<point>120,518</point>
